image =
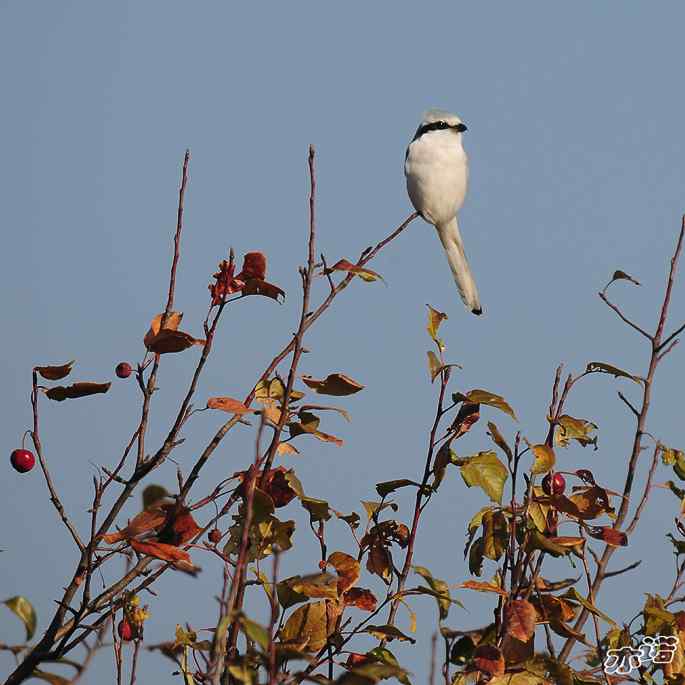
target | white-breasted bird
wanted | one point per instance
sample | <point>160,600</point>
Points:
<point>437,171</point>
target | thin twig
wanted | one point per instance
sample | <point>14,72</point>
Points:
<point>656,342</point>
<point>54,497</point>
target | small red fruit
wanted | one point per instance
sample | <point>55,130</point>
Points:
<point>22,460</point>
<point>125,630</point>
<point>214,535</point>
<point>123,370</point>
<point>554,484</point>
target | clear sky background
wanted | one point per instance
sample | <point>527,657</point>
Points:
<point>575,116</point>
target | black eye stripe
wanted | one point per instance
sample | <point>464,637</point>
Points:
<point>437,126</point>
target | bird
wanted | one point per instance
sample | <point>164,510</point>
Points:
<point>437,172</point>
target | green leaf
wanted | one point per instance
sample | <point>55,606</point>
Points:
<point>495,534</point>
<point>486,471</point>
<point>294,483</point>
<point>499,440</point>
<point>318,509</point>
<point>385,656</point>
<point>569,428</point>
<point>352,520</point>
<point>476,557</point>
<point>574,595</point>
<point>601,367</point>
<point>439,587</point>
<point>536,540</point>
<point>443,458</point>
<point>484,397</point>
<point>388,632</point>
<point>152,494</point>
<point>372,508</point>
<point>287,596</point>
<point>255,632</point>
<point>385,488</point>
<point>25,611</point>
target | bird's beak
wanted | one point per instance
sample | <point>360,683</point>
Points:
<point>460,128</point>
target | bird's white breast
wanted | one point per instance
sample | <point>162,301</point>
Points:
<point>437,175</point>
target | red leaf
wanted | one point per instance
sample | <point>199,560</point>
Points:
<point>489,659</point>
<point>611,536</point>
<point>519,619</point>
<point>254,266</point>
<point>360,598</point>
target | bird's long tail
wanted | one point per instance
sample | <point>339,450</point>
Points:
<point>450,237</point>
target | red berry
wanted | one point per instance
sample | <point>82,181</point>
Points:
<point>22,460</point>
<point>123,370</point>
<point>125,630</point>
<point>554,484</point>
<point>214,535</point>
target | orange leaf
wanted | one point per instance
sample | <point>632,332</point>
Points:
<point>184,527</point>
<point>481,586</point>
<point>334,384</point>
<point>147,520</point>
<point>347,568</point>
<point>61,392</point>
<point>362,272</point>
<point>360,598</point>
<point>167,341</point>
<point>171,324</point>
<point>160,550</point>
<point>227,404</point>
<point>286,448</point>
<point>55,373</point>
<point>519,619</point>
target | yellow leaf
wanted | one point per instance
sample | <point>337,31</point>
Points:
<point>309,626</point>
<point>274,390</point>
<point>434,365</point>
<point>435,318</point>
<point>544,459</point>
<point>569,428</point>
<point>25,611</point>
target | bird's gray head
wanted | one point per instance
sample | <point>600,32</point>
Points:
<point>440,120</point>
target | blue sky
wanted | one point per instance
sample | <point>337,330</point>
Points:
<point>576,147</point>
